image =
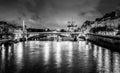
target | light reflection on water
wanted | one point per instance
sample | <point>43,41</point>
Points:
<point>57,48</point>
<point>19,55</point>
<point>116,65</point>
<point>46,53</point>
<point>107,61</point>
<point>57,57</point>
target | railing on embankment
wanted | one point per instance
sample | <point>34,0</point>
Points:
<point>108,41</point>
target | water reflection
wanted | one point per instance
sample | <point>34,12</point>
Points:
<point>57,57</point>
<point>6,58</point>
<point>70,54</point>
<point>19,52</point>
<point>107,61</point>
<point>100,59</point>
<point>19,55</point>
<point>58,54</point>
<point>47,52</point>
<point>116,65</point>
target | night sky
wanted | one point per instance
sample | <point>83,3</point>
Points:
<point>54,13</point>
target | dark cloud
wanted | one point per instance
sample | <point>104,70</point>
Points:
<point>34,6</point>
<point>22,13</point>
<point>50,12</point>
<point>108,5</point>
<point>8,2</point>
<point>35,17</point>
<point>54,12</point>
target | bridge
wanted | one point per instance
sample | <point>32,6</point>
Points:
<point>52,33</point>
<point>57,34</point>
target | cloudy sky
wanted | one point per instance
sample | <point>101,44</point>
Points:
<point>54,13</point>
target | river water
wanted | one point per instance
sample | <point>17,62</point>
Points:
<point>57,57</point>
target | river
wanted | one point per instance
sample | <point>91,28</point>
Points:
<point>57,57</point>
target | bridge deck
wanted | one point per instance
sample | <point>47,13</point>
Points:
<point>53,32</point>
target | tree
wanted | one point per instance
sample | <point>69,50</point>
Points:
<point>62,30</point>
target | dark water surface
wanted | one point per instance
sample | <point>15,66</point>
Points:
<point>57,57</point>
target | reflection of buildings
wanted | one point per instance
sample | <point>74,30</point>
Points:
<point>107,61</point>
